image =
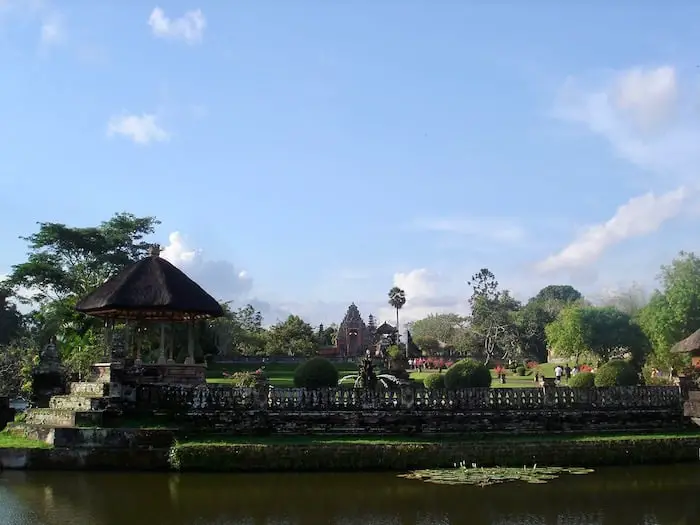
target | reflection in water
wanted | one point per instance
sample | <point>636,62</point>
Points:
<point>637,496</point>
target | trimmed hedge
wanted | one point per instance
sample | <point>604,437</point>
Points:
<point>520,371</point>
<point>616,373</point>
<point>467,373</point>
<point>317,372</point>
<point>434,381</point>
<point>582,380</point>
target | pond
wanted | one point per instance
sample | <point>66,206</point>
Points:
<point>631,496</point>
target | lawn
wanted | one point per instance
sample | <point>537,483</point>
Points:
<point>9,441</point>
<point>282,374</point>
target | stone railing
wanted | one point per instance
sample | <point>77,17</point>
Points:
<point>222,398</point>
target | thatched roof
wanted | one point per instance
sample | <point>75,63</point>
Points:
<point>151,288</point>
<point>688,345</point>
<point>386,329</point>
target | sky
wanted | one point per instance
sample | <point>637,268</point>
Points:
<point>304,155</point>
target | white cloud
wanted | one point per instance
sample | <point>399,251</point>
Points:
<point>52,29</point>
<point>141,129</point>
<point>639,216</point>
<point>189,27</point>
<point>220,278</point>
<point>424,295</point>
<point>649,120</point>
<point>499,230</point>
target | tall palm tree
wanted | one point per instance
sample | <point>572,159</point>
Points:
<point>397,298</point>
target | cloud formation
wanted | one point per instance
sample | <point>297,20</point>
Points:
<point>640,216</point>
<point>188,28</point>
<point>52,28</point>
<point>643,115</point>
<point>141,129</point>
<point>220,278</point>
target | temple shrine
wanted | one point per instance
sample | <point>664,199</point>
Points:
<point>355,338</point>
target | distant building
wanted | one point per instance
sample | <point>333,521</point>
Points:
<point>353,337</point>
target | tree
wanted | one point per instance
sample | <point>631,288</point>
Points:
<point>493,316</point>
<point>673,311</point>
<point>427,344</point>
<point>603,332</point>
<point>541,310</point>
<point>397,299</point>
<point>293,337</point>
<point>11,321</point>
<point>630,301</point>
<point>326,335</point>
<point>442,327</point>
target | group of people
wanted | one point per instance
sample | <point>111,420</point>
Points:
<point>560,373</point>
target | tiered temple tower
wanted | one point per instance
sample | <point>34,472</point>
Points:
<point>353,336</point>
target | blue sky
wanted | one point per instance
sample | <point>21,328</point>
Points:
<point>314,153</point>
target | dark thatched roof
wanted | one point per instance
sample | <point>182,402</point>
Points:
<point>688,345</point>
<point>386,329</point>
<point>151,288</point>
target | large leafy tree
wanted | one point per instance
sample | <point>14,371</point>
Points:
<point>541,310</point>
<point>601,332</point>
<point>673,311</point>
<point>65,263</point>
<point>493,316</point>
<point>11,320</point>
<point>293,336</point>
<point>442,327</point>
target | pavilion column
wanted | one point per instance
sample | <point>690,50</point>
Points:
<point>190,343</point>
<point>171,345</point>
<point>139,341</point>
<point>109,333</point>
<point>161,355</point>
<point>127,339</point>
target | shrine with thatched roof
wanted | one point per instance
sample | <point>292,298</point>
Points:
<point>690,345</point>
<point>151,294</point>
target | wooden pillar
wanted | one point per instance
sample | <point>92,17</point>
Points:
<point>171,344</point>
<point>139,341</point>
<point>127,338</point>
<point>190,343</point>
<point>107,350</point>
<point>161,355</point>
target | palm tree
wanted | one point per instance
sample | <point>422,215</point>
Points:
<point>397,298</point>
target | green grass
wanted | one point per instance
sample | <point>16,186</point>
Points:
<point>10,441</point>
<point>384,440</point>
<point>281,375</point>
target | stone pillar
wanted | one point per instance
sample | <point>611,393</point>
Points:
<point>161,355</point>
<point>190,343</point>
<point>139,341</point>
<point>171,345</point>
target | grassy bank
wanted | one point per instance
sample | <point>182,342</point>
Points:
<point>9,441</point>
<point>397,454</point>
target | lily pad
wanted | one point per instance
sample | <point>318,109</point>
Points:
<point>482,477</point>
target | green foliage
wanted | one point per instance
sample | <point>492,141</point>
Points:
<point>292,336</point>
<point>617,373</point>
<point>582,380</point>
<point>17,362</point>
<point>520,370</point>
<point>11,321</point>
<point>80,352</point>
<point>434,381</point>
<point>317,372</point>
<point>394,352</point>
<point>673,312</point>
<point>467,373</point>
<point>482,477</point>
<point>444,328</point>
<point>604,332</point>
<point>244,379</point>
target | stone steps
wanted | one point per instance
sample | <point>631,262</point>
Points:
<point>90,389</point>
<point>78,403</point>
<point>61,417</point>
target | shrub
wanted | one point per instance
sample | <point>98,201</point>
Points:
<point>243,379</point>
<point>520,371</point>
<point>582,380</point>
<point>467,373</point>
<point>317,372</point>
<point>434,381</point>
<point>616,373</point>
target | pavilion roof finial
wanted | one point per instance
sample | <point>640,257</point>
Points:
<point>154,250</point>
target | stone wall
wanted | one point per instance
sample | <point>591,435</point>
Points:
<point>409,410</point>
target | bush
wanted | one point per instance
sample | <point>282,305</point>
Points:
<point>616,373</point>
<point>243,379</point>
<point>582,380</point>
<point>317,372</point>
<point>434,381</point>
<point>467,373</point>
<point>520,371</point>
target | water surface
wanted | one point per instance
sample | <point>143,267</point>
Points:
<point>630,496</point>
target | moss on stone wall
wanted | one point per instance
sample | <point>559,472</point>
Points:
<point>348,456</point>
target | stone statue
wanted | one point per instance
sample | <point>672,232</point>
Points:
<point>367,375</point>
